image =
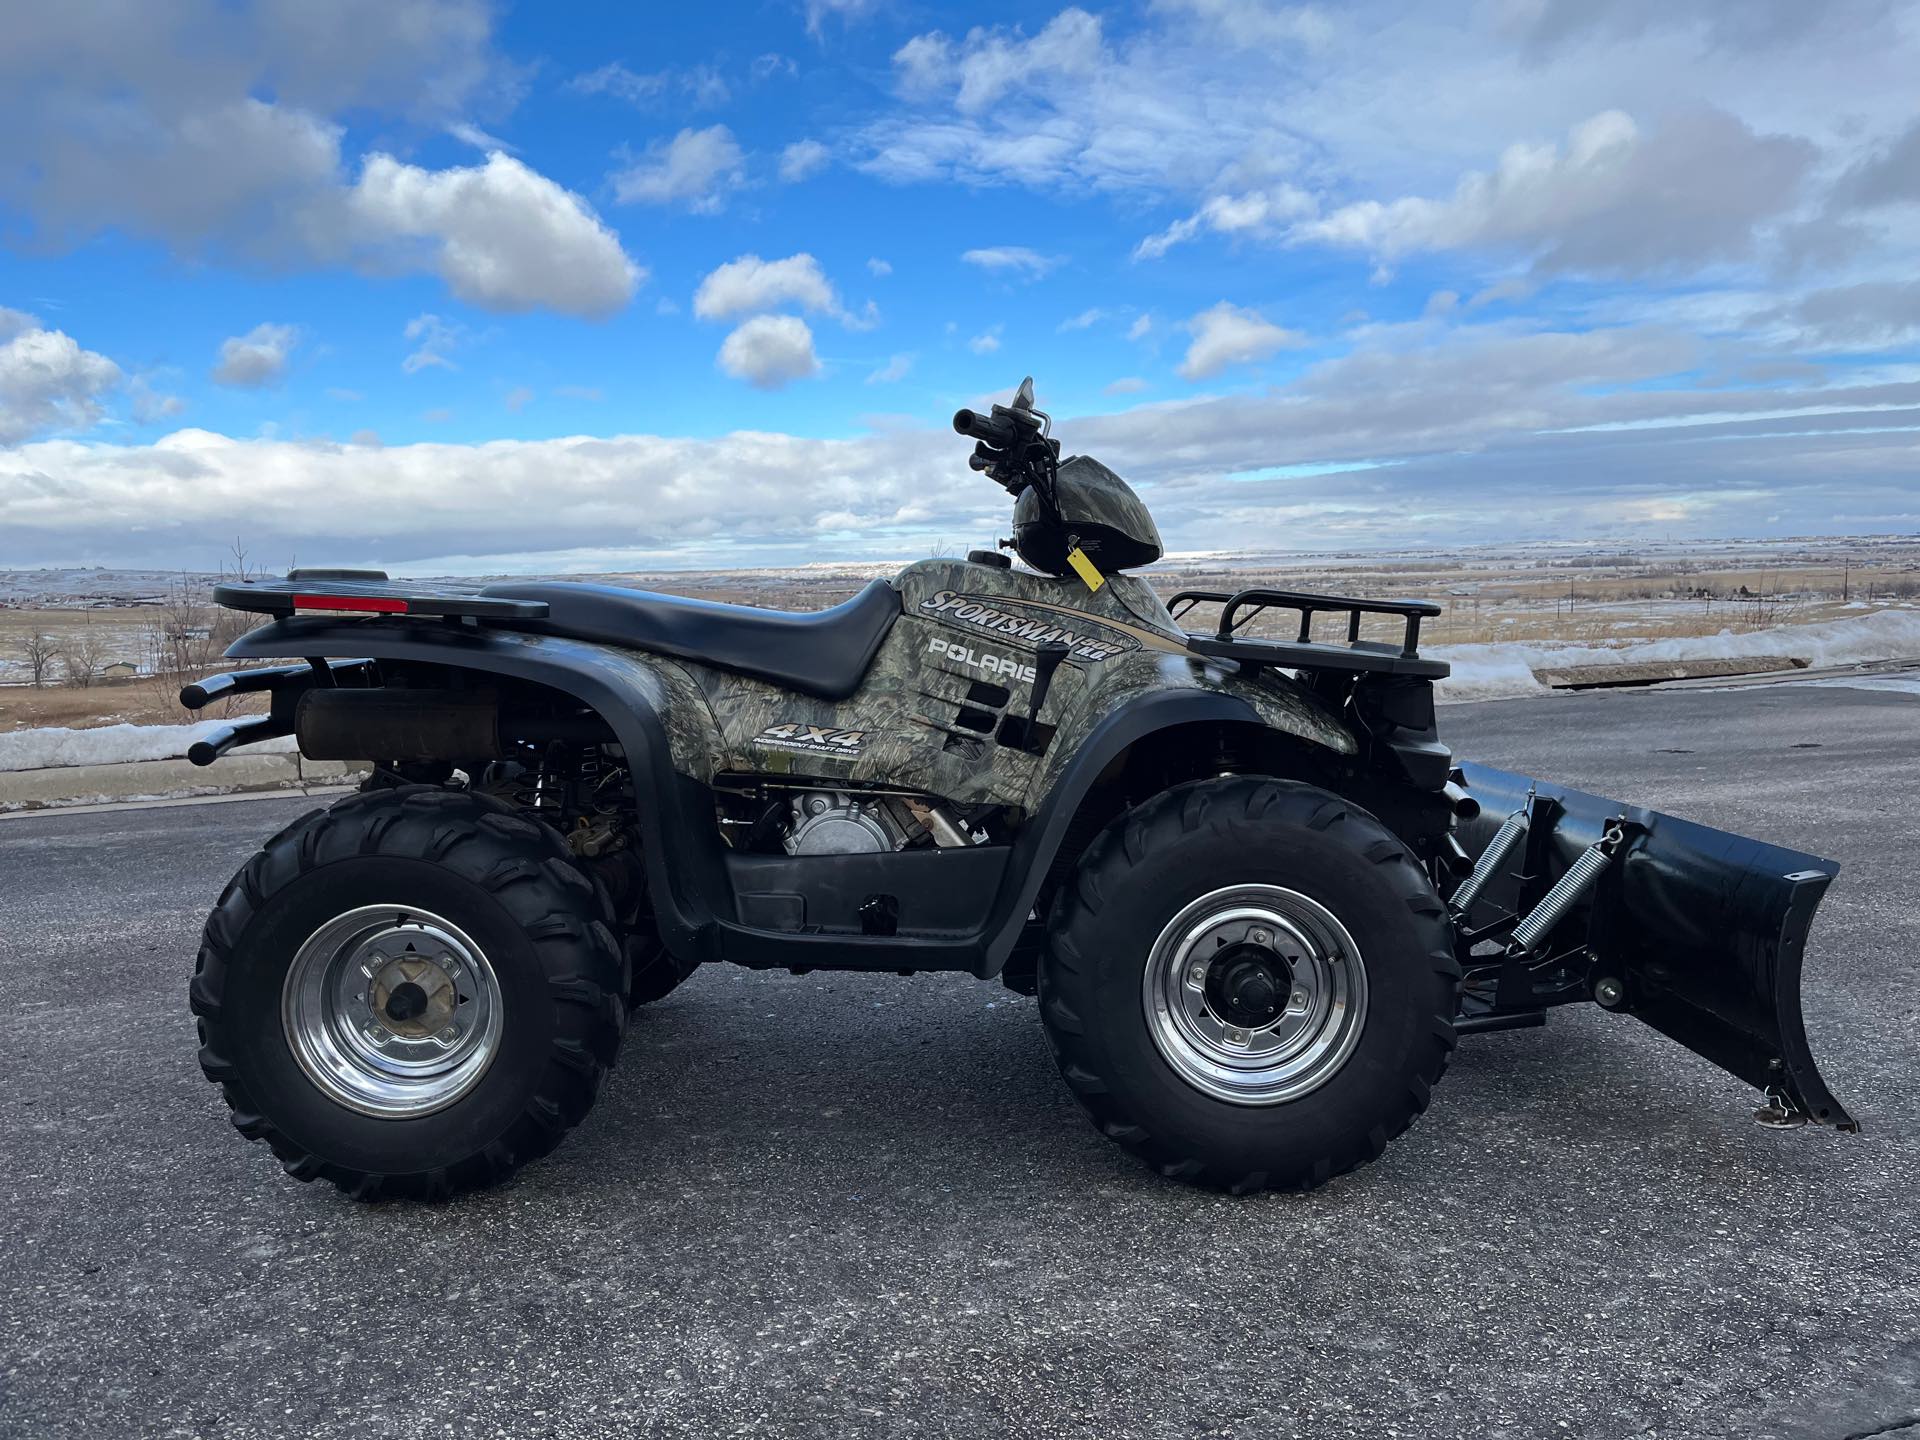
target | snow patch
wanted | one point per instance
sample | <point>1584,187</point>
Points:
<point>54,747</point>
<point>1504,669</point>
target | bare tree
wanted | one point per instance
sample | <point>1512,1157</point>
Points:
<point>85,656</point>
<point>39,651</point>
<point>241,570</point>
<point>179,637</point>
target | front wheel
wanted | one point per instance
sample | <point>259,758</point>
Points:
<point>1250,984</point>
<point>411,994</point>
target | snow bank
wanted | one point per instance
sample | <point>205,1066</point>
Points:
<point>108,745</point>
<point>1491,672</point>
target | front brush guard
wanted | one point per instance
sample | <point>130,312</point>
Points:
<point>1698,932</point>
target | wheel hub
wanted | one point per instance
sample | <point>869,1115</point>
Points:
<point>393,1012</point>
<point>1255,994</point>
<point>1248,986</point>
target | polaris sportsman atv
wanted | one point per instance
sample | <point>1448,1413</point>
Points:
<point>1255,895</point>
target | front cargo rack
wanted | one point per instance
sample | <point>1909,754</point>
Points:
<point>1238,607</point>
<point>369,592</point>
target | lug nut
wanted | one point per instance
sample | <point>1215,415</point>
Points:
<point>1609,991</point>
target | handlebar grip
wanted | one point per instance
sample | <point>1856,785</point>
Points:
<point>979,427</point>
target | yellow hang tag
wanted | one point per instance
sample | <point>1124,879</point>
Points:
<point>1085,568</point>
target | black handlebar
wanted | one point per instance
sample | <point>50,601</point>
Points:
<point>1013,451</point>
<point>990,428</point>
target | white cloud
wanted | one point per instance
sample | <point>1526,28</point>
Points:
<point>149,120</point>
<point>1470,416</point>
<point>986,342</point>
<point>706,86</point>
<point>1085,320</point>
<point>149,404</point>
<point>502,236</point>
<point>989,64</point>
<point>1309,119</point>
<point>750,284</point>
<point>697,169</point>
<point>1140,328</point>
<point>846,11</point>
<point>878,267</point>
<point>47,381</point>
<point>894,370</point>
<point>770,351</point>
<point>1228,335</point>
<point>617,80</point>
<point>1015,260</point>
<point>1125,385</point>
<point>256,358</point>
<point>517,399</point>
<point>1613,200</point>
<point>433,338</point>
<point>1259,212</point>
<point>702,86</point>
<point>802,160</point>
<point>468,134</point>
<point>1254,23</point>
<point>1873,315</point>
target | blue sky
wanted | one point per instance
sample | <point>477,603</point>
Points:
<point>443,284</point>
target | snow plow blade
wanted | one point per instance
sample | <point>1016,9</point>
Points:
<point>1698,932</point>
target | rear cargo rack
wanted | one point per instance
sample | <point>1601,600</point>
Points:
<point>1238,607</point>
<point>369,592</point>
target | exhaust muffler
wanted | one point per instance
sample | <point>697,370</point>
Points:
<point>456,725</point>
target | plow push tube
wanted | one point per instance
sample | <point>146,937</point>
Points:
<point>1698,932</point>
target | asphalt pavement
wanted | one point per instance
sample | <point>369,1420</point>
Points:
<point>866,1206</point>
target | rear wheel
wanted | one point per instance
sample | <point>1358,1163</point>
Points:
<point>413,993</point>
<point>1250,984</point>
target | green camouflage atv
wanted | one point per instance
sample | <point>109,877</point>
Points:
<point>1255,895</point>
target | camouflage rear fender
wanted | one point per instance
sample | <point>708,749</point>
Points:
<point>651,705</point>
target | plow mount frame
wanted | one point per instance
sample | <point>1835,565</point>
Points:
<point>1698,932</point>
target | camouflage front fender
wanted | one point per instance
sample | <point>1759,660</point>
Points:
<point>1261,699</point>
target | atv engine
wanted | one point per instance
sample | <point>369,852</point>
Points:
<point>834,822</point>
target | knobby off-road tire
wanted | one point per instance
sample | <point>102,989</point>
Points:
<point>451,909</point>
<point>1152,885</point>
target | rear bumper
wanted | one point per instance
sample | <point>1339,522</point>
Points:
<point>1704,931</point>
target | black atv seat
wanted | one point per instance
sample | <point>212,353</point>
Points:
<point>822,652</point>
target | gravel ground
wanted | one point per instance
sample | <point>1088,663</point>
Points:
<point>863,1206</point>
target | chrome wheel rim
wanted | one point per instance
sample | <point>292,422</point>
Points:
<point>1255,994</point>
<point>392,1011</point>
